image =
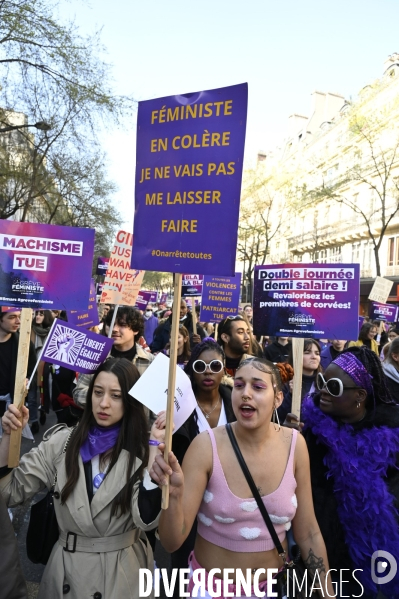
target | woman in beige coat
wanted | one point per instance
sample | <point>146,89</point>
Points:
<point>101,545</point>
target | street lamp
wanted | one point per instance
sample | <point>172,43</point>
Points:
<point>41,125</point>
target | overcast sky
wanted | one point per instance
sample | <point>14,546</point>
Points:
<point>284,49</point>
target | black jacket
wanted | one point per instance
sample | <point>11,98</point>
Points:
<point>275,352</point>
<point>162,333</point>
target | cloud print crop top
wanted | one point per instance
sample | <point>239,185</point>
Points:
<point>236,524</point>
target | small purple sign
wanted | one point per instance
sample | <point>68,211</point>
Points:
<point>86,318</point>
<point>307,300</point>
<point>163,298</point>
<point>37,261</point>
<point>220,297</point>
<point>191,285</point>
<point>143,298</point>
<point>74,348</point>
<point>102,265</point>
<point>190,150</point>
<point>386,312</point>
<point>99,288</point>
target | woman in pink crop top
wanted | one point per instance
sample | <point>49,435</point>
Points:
<point>211,486</point>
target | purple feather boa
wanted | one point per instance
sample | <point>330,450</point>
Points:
<point>358,462</point>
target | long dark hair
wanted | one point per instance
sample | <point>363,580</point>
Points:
<point>133,435</point>
<point>365,330</point>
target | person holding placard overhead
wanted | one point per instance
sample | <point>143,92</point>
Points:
<point>212,487</point>
<point>96,470</point>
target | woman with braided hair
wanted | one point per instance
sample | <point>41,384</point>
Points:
<point>352,432</point>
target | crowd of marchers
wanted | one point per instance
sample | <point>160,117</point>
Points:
<point>329,480</point>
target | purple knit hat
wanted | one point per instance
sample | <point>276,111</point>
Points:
<point>355,369</point>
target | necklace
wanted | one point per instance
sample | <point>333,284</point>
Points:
<point>207,414</point>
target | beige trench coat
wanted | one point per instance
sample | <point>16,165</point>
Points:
<point>83,575</point>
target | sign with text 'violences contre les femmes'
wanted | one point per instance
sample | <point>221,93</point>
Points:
<point>188,181</point>
<point>38,262</point>
<point>307,300</point>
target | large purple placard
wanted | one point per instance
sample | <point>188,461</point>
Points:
<point>188,181</point>
<point>307,300</point>
<point>386,312</point>
<point>45,266</point>
<point>75,348</point>
<point>220,297</point>
<point>86,318</point>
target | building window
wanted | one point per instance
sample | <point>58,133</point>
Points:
<point>393,251</point>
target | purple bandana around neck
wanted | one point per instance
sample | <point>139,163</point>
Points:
<point>352,366</point>
<point>99,440</point>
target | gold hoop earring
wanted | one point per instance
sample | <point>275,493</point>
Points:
<point>276,420</point>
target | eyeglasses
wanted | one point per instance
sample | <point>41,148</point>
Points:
<point>334,387</point>
<point>215,366</point>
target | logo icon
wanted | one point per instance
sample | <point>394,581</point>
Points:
<point>380,560</point>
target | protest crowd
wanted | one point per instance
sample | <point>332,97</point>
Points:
<point>254,446</point>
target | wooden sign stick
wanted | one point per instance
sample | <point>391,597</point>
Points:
<point>171,381</point>
<point>111,326</point>
<point>194,314</point>
<point>297,351</point>
<point>20,390</point>
<point>215,334</point>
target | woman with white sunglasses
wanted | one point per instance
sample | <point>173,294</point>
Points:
<point>352,432</point>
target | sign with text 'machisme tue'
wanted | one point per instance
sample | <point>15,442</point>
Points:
<point>307,300</point>
<point>188,181</point>
<point>37,262</point>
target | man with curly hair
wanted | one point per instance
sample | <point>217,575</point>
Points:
<point>127,330</point>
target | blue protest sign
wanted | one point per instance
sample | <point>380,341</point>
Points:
<point>188,181</point>
<point>75,348</point>
<point>307,300</point>
<point>220,297</point>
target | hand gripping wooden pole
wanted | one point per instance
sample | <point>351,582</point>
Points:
<point>20,390</point>
<point>171,381</point>
<point>297,351</point>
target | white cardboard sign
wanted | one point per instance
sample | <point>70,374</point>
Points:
<point>381,290</point>
<point>152,390</point>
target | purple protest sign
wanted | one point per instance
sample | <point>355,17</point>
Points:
<point>386,312</point>
<point>86,318</point>
<point>220,297</point>
<point>74,348</point>
<point>143,298</point>
<point>45,266</point>
<point>191,285</point>
<point>188,181</point>
<point>307,300</point>
<point>99,288</point>
<point>163,298</point>
<point>102,265</point>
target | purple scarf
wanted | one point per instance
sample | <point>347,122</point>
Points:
<point>99,440</point>
<point>358,461</point>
